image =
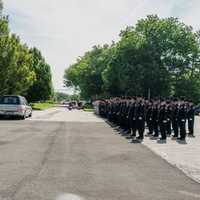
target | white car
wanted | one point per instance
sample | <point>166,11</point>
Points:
<point>16,106</point>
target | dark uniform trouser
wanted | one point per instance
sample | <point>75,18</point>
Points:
<point>182,126</point>
<point>128,127</point>
<point>114,118</point>
<point>133,127</point>
<point>124,119</point>
<point>163,130</point>
<point>168,127</point>
<point>175,128</point>
<point>121,123</point>
<point>140,127</point>
<point>150,126</point>
<point>118,119</point>
<point>191,126</point>
<point>155,128</point>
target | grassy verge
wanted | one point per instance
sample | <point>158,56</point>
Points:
<point>42,106</point>
<point>88,110</point>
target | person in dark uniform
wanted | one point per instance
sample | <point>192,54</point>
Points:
<point>140,119</point>
<point>175,113</point>
<point>169,118</point>
<point>191,117</point>
<point>182,121</point>
<point>102,108</point>
<point>155,117</point>
<point>127,121</point>
<point>124,115</point>
<point>130,114</point>
<point>163,121</point>
<point>132,118</point>
<point>149,118</point>
<point>120,113</point>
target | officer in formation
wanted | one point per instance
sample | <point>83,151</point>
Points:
<point>162,116</point>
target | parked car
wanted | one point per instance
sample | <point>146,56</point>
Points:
<point>16,106</point>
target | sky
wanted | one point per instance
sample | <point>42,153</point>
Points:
<point>65,29</point>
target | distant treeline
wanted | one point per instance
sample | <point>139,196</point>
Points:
<point>157,56</point>
<point>23,70</point>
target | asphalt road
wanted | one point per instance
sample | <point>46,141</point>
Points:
<point>82,160</point>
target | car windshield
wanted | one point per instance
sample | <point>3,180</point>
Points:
<point>10,100</point>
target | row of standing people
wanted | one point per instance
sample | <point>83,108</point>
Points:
<point>162,116</point>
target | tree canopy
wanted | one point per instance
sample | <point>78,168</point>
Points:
<point>23,71</point>
<point>42,88</point>
<point>157,55</point>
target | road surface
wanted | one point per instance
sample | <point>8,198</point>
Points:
<point>62,155</point>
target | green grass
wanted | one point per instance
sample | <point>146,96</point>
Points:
<point>88,110</point>
<point>42,106</point>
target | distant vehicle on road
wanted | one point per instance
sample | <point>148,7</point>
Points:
<point>15,106</point>
<point>70,105</point>
<point>64,102</point>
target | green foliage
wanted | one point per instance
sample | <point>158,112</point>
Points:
<point>88,106</point>
<point>75,97</point>
<point>42,87</point>
<point>15,61</point>
<point>22,71</point>
<point>59,96</point>
<point>157,55</point>
<point>86,73</point>
<point>42,106</point>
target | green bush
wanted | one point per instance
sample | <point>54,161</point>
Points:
<point>88,106</point>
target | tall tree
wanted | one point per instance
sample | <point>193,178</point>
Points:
<point>157,55</point>
<point>175,48</point>
<point>15,61</point>
<point>86,73</point>
<point>42,88</point>
<point>22,71</point>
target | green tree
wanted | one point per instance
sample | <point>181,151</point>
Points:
<point>157,55</point>
<point>42,88</point>
<point>22,71</point>
<point>86,73</point>
<point>175,48</point>
<point>16,75</point>
<point>59,96</point>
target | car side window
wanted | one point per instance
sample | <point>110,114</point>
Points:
<point>26,102</point>
<point>23,101</point>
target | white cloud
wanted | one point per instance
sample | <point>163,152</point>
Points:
<point>65,29</point>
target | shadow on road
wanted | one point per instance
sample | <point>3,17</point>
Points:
<point>9,119</point>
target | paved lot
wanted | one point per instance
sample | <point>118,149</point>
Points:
<point>183,155</point>
<point>62,155</point>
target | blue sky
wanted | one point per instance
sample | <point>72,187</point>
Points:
<point>65,29</point>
